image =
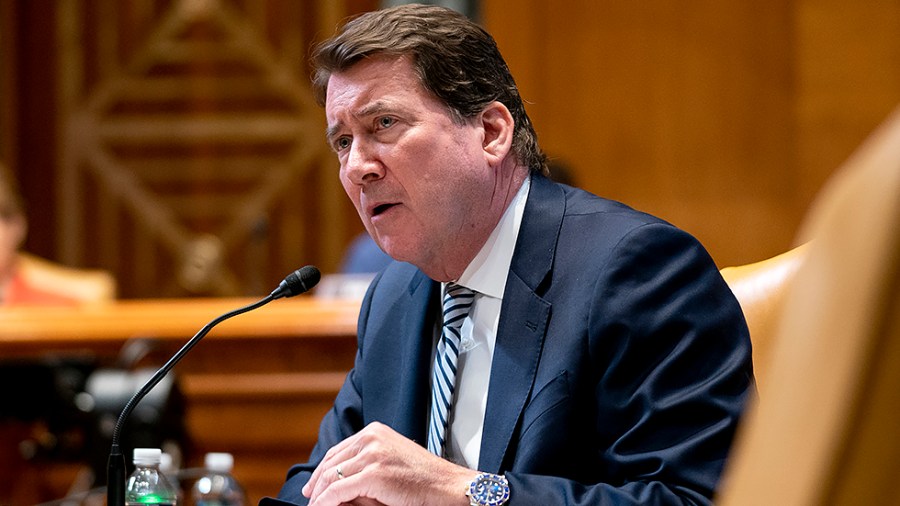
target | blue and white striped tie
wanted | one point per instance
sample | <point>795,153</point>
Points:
<point>457,302</point>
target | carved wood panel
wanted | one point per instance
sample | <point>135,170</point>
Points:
<point>191,152</point>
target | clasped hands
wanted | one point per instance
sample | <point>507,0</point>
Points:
<point>379,467</point>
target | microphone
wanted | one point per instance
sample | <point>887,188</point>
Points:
<point>297,282</point>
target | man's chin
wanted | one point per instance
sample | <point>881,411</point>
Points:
<point>398,252</point>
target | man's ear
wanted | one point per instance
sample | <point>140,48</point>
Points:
<point>498,127</point>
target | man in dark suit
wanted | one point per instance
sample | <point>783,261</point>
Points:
<point>599,359</point>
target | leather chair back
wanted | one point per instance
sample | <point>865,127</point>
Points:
<point>760,288</point>
<point>827,428</point>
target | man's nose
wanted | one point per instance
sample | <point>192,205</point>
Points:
<point>363,165</point>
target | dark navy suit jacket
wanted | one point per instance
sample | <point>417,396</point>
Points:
<point>621,366</point>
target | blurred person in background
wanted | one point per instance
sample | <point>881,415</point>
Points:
<point>17,288</point>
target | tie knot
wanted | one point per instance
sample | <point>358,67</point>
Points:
<point>457,302</point>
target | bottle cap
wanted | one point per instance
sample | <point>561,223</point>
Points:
<point>147,456</point>
<point>220,462</point>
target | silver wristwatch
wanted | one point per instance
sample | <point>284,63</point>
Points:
<point>488,490</point>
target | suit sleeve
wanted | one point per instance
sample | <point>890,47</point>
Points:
<point>671,351</point>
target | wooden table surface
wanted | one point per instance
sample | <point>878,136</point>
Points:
<point>256,386</point>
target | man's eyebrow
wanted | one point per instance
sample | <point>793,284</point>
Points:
<point>369,110</point>
<point>374,108</point>
<point>332,130</point>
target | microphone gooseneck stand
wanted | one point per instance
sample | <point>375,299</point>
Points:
<point>295,283</point>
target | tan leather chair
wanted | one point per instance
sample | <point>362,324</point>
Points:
<point>760,288</point>
<point>83,285</point>
<point>827,428</point>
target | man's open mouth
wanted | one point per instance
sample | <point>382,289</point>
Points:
<point>381,208</point>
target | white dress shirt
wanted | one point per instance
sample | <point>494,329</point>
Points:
<point>486,276</point>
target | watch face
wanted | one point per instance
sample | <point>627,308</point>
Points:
<point>489,490</point>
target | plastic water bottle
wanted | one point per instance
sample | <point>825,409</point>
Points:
<point>218,487</point>
<point>147,485</point>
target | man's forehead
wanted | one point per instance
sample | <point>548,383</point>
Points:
<point>356,98</point>
<point>371,73</point>
<point>373,86</point>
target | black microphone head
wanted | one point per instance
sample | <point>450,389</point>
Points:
<point>300,281</point>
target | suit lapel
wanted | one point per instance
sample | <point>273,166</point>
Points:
<point>415,388</point>
<point>523,322</point>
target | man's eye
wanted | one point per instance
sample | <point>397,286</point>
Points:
<point>342,143</point>
<point>386,121</point>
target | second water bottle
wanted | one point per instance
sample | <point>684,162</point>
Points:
<point>218,487</point>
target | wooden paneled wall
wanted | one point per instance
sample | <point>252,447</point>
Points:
<point>722,117</point>
<point>175,143</point>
